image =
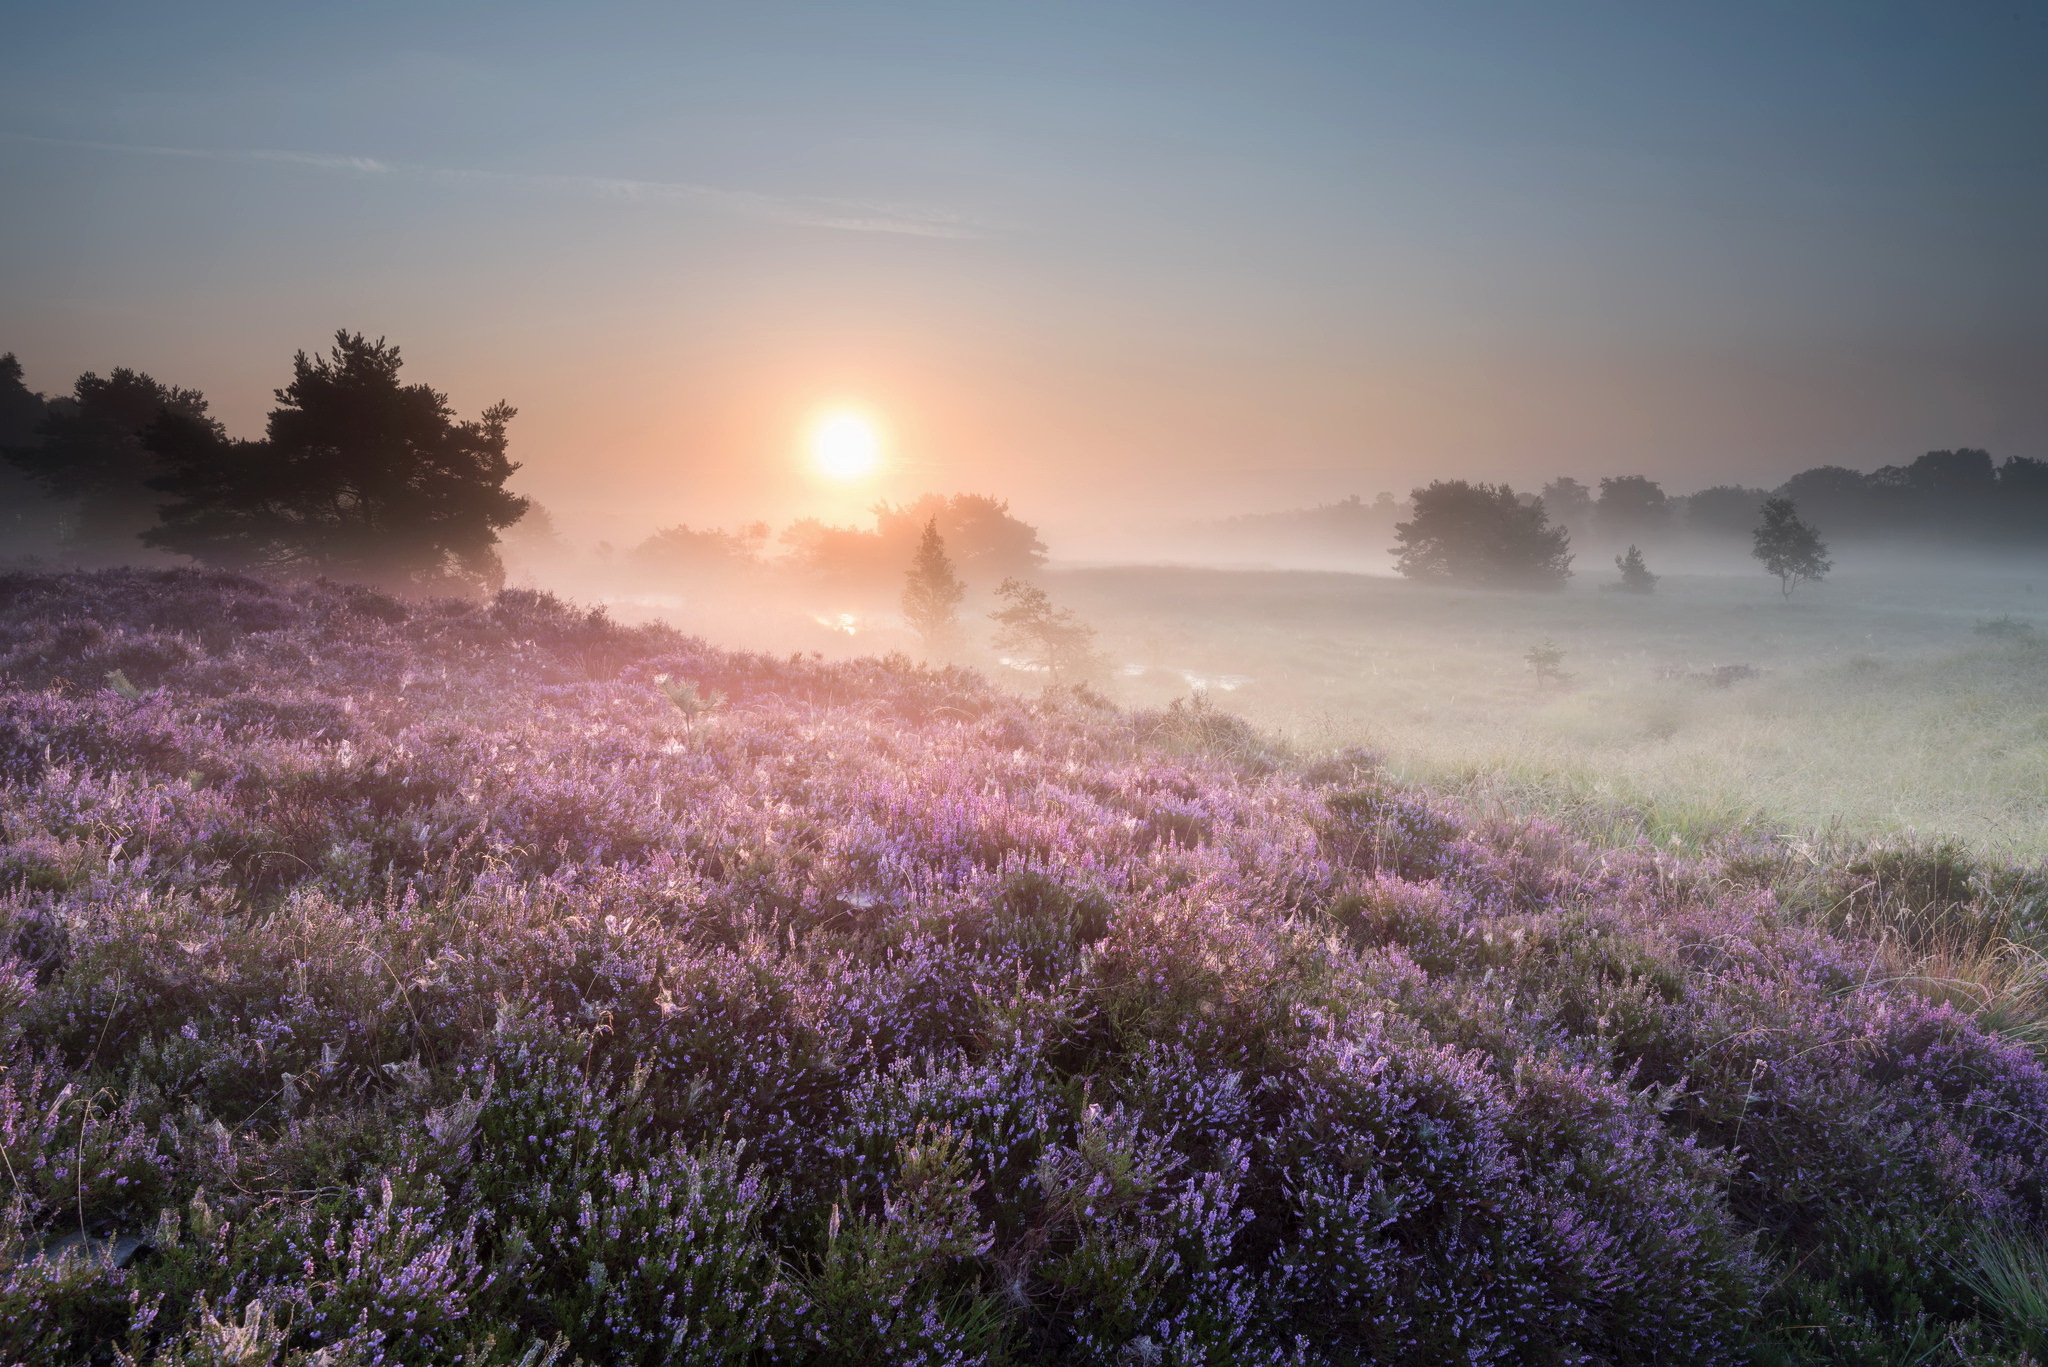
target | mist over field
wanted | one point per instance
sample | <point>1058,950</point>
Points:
<point>796,684</point>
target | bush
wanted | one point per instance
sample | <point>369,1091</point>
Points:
<point>454,994</point>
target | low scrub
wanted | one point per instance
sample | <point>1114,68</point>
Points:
<point>389,983</point>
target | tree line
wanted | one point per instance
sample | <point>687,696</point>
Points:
<point>1962,497</point>
<point>359,475</point>
<point>363,476</point>
<point>1488,536</point>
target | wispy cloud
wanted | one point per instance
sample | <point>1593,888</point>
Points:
<point>801,211</point>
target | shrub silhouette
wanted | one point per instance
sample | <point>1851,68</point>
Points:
<point>1547,660</point>
<point>1635,574</point>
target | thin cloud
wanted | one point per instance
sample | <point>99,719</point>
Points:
<point>834,215</point>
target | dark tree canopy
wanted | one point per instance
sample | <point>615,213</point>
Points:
<point>1481,534</point>
<point>1723,510</point>
<point>1567,502</point>
<point>88,452</point>
<point>28,516</point>
<point>1631,505</point>
<point>21,408</point>
<point>361,477</point>
<point>1789,548</point>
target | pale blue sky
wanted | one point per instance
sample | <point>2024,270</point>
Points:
<point>1247,253</point>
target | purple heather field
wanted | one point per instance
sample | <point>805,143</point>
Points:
<point>491,983</point>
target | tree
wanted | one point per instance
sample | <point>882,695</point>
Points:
<point>932,593</point>
<point>1481,534</point>
<point>1723,510</point>
<point>89,451</point>
<point>1841,497</point>
<point>27,515</point>
<point>683,552</point>
<point>1631,505</point>
<point>1635,575</point>
<point>986,542</point>
<point>1546,658</point>
<point>1789,548</point>
<point>1568,503</point>
<point>1048,638</point>
<point>361,477</point>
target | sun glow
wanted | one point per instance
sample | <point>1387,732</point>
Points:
<point>845,447</point>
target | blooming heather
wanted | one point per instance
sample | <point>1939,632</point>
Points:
<point>388,982</point>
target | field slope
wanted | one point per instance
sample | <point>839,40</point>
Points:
<point>389,983</point>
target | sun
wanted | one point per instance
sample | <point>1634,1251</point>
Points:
<point>845,447</point>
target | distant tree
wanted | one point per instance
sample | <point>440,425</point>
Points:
<point>1724,510</point>
<point>534,534</point>
<point>932,593</point>
<point>29,518</point>
<point>682,552</point>
<point>1635,575</point>
<point>2023,498</point>
<point>1835,495</point>
<point>1481,534</point>
<point>361,477</point>
<point>1568,503</point>
<point>1789,548</point>
<point>21,408</point>
<point>1047,637</point>
<point>1348,527</point>
<point>88,452</point>
<point>985,540</point>
<point>841,554</point>
<point>1631,505</point>
<point>1942,494</point>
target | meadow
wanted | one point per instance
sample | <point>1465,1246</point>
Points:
<point>493,983</point>
<point>1881,705</point>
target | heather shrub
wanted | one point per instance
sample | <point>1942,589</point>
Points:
<point>1376,827</point>
<point>407,983</point>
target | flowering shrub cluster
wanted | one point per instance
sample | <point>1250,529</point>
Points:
<point>388,983</point>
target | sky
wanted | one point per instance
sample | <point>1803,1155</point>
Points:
<point>1111,261</point>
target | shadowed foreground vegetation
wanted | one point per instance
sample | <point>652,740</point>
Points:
<point>491,983</point>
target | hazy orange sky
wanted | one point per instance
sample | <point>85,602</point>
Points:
<point>1106,260</point>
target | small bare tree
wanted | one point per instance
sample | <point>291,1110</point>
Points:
<point>1789,548</point>
<point>1046,636</point>
<point>932,593</point>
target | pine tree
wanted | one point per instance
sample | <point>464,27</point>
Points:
<point>361,477</point>
<point>1789,548</point>
<point>932,593</point>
